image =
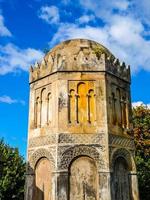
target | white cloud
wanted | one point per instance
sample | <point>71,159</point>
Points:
<point>3,29</point>
<point>121,4</point>
<point>84,19</point>
<point>123,36</point>
<point>125,30</point>
<point>141,9</point>
<point>139,103</point>
<point>50,14</point>
<point>8,100</point>
<point>127,33</point>
<point>127,42</point>
<point>72,31</point>
<point>105,8</point>
<point>122,32</point>
<point>12,58</point>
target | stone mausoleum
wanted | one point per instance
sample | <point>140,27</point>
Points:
<point>80,143</point>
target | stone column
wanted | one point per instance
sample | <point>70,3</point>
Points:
<point>29,186</point>
<point>62,186</point>
<point>104,185</point>
<point>134,186</point>
<point>54,186</point>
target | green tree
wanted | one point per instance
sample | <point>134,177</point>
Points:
<point>141,130</point>
<point>12,173</point>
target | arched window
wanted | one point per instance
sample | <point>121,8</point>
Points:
<point>118,107</point>
<point>124,112</point>
<point>128,109</point>
<point>114,117</point>
<point>72,106</point>
<point>91,106</point>
<point>37,112</point>
<point>83,179</point>
<point>43,107</point>
<point>82,103</point>
<point>49,108</point>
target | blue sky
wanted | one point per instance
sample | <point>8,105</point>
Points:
<point>27,27</point>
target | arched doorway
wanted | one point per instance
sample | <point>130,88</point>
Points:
<point>120,180</point>
<point>43,180</point>
<point>83,179</point>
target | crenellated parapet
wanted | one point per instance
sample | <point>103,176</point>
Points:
<point>119,69</point>
<point>79,55</point>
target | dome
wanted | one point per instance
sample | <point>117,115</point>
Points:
<point>79,55</point>
<point>76,55</point>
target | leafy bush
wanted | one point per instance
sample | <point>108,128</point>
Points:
<point>12,173</point>
<point>141,130</point>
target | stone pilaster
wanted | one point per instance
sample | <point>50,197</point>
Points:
<point>62,192</point>
<point>104,185</point>
<point>134,186</point>
<point>29,187</point>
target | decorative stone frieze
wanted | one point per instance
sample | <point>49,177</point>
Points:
<point>115,140</point>
<point>40,153</point>
<point>80,150</point>
<point>42,141</point>
<point>81,138</point>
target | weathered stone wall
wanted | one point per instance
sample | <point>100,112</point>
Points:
<point>79,124</point>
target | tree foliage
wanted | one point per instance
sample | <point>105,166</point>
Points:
<point>141,130</point>
<point>12,173</point>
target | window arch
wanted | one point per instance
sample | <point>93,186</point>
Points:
<point>124,112</point>
<point>72,106</point>
<point>82,102</point>
<point>43,107</point>
<point>118,107</point>
<point>49,108</point>
<point>114,117</point>
<point>37,112</point>
<point>91,106</point>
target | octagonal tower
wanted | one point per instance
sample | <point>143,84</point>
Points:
<point>79,141</point>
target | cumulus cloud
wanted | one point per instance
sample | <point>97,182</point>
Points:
<point>122,31</point>
<point>72,31</point>
<point>139,103</point>
<point>123,37</point>
<point>50,14</point>
<point>3,29</point>
<point>141,9</point>
<point>8,100</point>
<point>121,4</point>
<point>104,9</point>
<point>13,58</point>
<point>84,19</point>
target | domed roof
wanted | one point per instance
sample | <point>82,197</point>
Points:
<point>79,55</point>
<point>76,54</point>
